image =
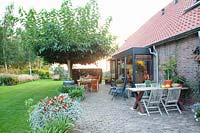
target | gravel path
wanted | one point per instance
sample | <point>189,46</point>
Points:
<point>103,115</point>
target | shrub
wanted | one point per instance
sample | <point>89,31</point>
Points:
<point>194,90</point>
<point>25,77</point>
<point>196,109</point>
<point>197,115</point>
<point>50,110</point>
<point>59,70</point>
<point>44,74</point>
<point>77,93</point>
<point>119,81</point>
<point>73,91</point>
<point>8,80</point>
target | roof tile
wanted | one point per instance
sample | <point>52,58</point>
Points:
<point>160,27</point>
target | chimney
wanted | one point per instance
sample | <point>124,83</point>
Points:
<point>163,11</point>
<point>175,1</point>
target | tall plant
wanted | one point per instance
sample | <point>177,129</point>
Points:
<point>169,68</point>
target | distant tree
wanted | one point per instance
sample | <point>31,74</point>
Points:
<point>69,35</point>
<point>6,37</point>
<point>29,34</point>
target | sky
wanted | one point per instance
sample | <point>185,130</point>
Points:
<point>127,15</point>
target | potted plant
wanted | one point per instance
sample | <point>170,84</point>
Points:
<point>169,69</point>
<point>119,82</point>
<point>178,81</point>
<point>68,81</point>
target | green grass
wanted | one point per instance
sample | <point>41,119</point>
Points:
<point>13,112</point>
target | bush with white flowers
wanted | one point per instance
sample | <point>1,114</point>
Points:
<point>197,115</point>
<point>49,109</point>
<point>196,109</point>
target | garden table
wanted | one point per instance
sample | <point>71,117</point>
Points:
<point>138,93</point>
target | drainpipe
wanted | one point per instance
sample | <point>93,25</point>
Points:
<point>155,53</point>
<point>199,37</point>
<point>124,66</point>
<point>199,62</point>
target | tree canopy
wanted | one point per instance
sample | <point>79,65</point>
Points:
<point>69,33</point>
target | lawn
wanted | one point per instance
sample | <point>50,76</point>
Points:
<point>13,113</point>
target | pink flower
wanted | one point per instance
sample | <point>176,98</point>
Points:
<point>45,109</point>
<point>64,107</point>
<point>62,96</point>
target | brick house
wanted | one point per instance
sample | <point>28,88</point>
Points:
<point>173,31</point>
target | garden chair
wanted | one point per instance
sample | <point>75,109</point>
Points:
<point>113,86</point>
<point>94,85</point>
<point>152,104</point>
<point>170,102</point>
<point>119,91</point>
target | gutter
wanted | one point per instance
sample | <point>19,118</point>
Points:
<point>176,37</point>
<point>192,6</point>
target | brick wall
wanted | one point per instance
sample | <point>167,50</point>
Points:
<point>183,49</point>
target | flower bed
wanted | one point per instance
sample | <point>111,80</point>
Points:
<point>61,108</point>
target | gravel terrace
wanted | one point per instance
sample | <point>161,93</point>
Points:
<point>103,115</point>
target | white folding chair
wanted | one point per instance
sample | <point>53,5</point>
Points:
<point>142,85</point>
<point>170,103</point>
<point>152,104</point>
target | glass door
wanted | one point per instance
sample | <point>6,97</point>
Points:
<point>143,68</point>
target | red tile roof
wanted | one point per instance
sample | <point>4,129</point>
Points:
<point>160,27</point>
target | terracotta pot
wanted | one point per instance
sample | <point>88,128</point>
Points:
<point>168,82</point>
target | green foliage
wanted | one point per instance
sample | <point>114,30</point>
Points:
<point>58,125</point>
<point>68,79</point>
<point>178,79</point>
<point>169,68</point>
<point>29,105</point>
<point>197,115</point>
<point>119,81</point>
<point>8,42</point>
<point>77,94</point>
<point>194,89</point>
<point>58,70</point>
<point>69,33</point>
<point>8,80</point>
<point>44,74</point>
<point>73,91</point>
<point>106,75</point>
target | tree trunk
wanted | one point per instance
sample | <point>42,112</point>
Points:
<point>30,71</point>
<point>69,65</point>
<point>6,66</point>
<point>4,57</point>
